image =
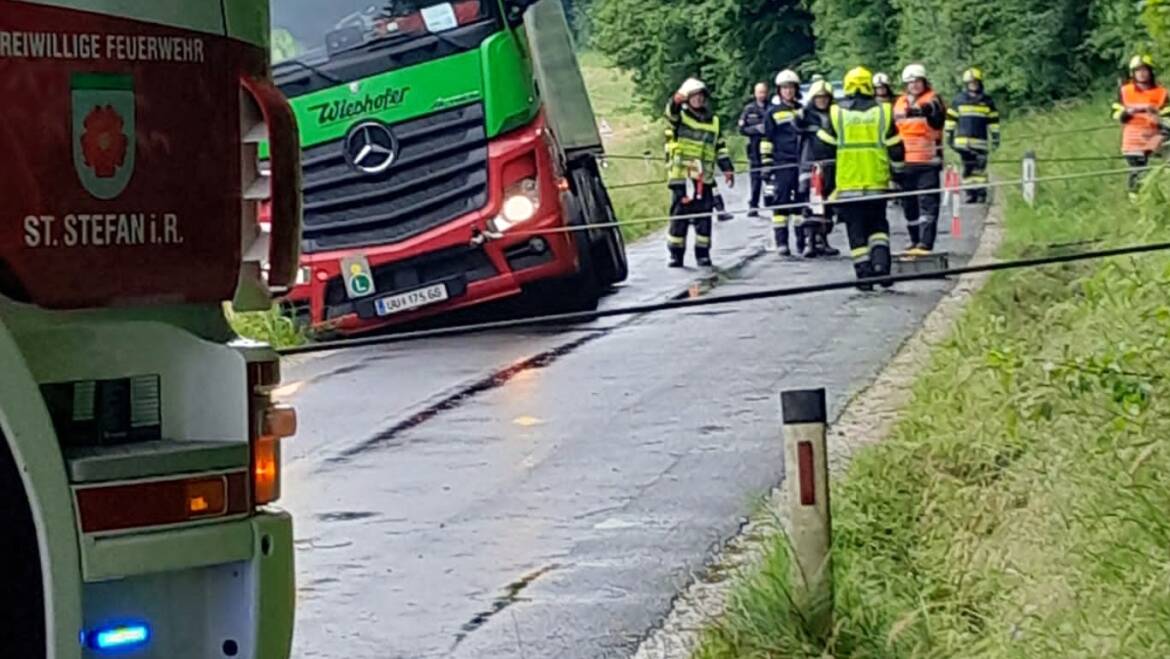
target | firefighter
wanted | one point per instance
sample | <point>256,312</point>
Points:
<point>883,91</point>
<point>751,126</point>
<point>816,117</point>
<point>695,152</point>
<point>865,142</point>
<point>781,151</point>
<point>972,130</point>
<point>1142,110</point>
<point>920,116</point>
<point>717,202</point>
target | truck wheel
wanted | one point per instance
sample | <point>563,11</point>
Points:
<point>22,618</point>
<point>582,291</point>
<point>607,244</point>
<point>617,267</point>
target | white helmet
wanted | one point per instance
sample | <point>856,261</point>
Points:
<point>691,87</point>
<point>880,79</point>
<point>913,72</point>
<point>787,77</point>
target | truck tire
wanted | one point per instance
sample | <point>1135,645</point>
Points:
<point>581,292</point>
<point>607,244</point>
<point>22,607</point>
<point>578,292</point>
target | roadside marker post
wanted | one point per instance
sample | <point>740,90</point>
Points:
<point>952,184</point>
<point>807,476</point>
<point>1028,178</point>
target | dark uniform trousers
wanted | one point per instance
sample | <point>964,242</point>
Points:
<point>1138,164</point>
<point>869,234</point>
<point>921,210</point>
<point>974,171</point>
<point>677,231</point>
<point>785,192</point>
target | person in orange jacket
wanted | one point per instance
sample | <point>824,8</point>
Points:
<point>1142,108</point>
<point>921,116</point>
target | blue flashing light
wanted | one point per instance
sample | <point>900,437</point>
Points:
<point>118,638</point>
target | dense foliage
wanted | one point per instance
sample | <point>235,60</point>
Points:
<point>1033,51</point>
<point>729,43</point>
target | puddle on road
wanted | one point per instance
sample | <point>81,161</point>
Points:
<point>511,596</point>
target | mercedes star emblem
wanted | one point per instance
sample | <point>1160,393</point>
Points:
<point>370,147</point>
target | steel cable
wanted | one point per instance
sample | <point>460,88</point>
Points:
<point>658,219</point>
<point>732,298</point>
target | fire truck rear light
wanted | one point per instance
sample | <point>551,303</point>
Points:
<point>207,498</point>
<point>159,503</point>
<point>265,470</point>
<point>280,421</point>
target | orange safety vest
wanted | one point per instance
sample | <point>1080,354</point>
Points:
<point>923,143</point>
<point>1142,134</point>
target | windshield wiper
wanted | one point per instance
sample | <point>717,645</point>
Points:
<point>375,45</point>
<point>311,68</point>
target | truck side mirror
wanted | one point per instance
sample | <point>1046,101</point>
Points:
<point>514,11</point>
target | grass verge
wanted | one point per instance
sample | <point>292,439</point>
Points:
<point>1018,509</point>
<point>627,131</point>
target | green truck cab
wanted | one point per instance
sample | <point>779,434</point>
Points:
<point>448,150</point>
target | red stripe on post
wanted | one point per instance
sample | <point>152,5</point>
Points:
<point>806,476</point>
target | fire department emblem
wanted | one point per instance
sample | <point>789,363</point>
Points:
<point>103,132</point>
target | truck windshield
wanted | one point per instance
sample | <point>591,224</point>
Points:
<point>316,31</point>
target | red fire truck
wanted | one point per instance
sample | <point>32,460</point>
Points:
<point>139,447</point>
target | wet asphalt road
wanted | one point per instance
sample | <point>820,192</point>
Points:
<point>546,494</point>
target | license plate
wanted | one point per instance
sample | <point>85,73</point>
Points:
<point>409,300</point>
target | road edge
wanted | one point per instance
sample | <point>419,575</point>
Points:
<point>867,418</point>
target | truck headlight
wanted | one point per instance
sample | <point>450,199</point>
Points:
<point>521,202</point>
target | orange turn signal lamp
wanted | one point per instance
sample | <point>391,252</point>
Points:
<point>279,422</point>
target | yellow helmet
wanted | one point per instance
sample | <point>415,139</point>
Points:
<point>820,88</point>
<point>859,81</point>
<point>1138,61</point>
<point>973,74</point>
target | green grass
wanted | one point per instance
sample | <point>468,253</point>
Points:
<point>1020,507</point>
<point>633,134</point>
<point>267,326</point>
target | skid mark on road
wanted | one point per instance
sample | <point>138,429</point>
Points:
<point>511,596</point>
<point>501,377</point>
<point>493,381</point>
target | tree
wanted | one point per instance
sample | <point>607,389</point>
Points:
<point>730,44</point>
<point>850,34</point>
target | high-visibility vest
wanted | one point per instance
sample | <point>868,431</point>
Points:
<point>694,149</point>
<point>863,163</point>
<point>1142,134</point>
<point>922,141</point>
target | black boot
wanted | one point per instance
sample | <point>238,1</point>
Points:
<point>825,248</point>
<point>915,231</point>
<point>800,241</point>
<point>809,240</point>
<point>864,271</point>
<point>880,263</point>
<point>781,234</point>
<point>929,233</point>
<point>676,257</point>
